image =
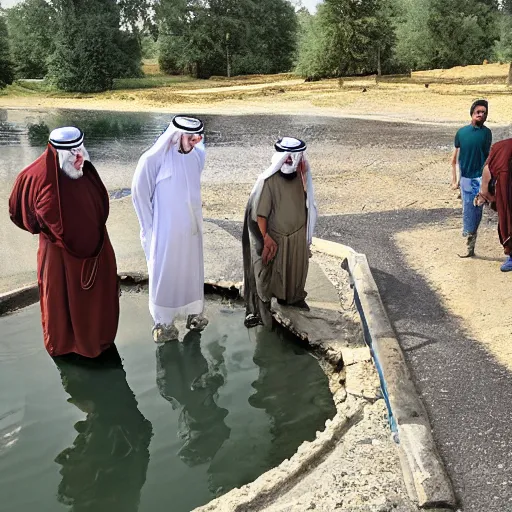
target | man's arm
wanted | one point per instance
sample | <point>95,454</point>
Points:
<point>143,188</point>
<point>262,224</point>
<point>484,195</point>
<point>269,244</point>
<point>21,204</point>
<point>486,178</point>
<point>455,177</point>
<point>263,210</point>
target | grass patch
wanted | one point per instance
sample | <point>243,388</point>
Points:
<point>151,82</point>
<point>25,88</point>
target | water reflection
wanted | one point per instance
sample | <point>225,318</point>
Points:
<point>293,392</point>
<point>96,126</point>
<point>106,467</point>
<point>186,380</point>
<point>38,133</point>
<point>305,386</point>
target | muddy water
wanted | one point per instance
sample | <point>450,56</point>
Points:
<point>169,429</point>
<point>241,145</point>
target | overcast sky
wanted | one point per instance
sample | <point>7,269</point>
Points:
<point>310,4</point>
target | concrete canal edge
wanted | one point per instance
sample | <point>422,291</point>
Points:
<point>19,298</point>
<point>29,294</point>
<point>425,475</point>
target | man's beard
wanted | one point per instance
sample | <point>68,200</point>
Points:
<point>69,170</point>
<point>67,160</point>
<point>290,176</point>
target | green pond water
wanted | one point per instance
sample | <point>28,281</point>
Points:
<point>172,427</point>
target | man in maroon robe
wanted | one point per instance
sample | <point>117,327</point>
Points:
<point>61,197</point>
<point>499,169</point>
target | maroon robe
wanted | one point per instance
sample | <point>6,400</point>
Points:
<point>76,265</point>
<point>500,166</point>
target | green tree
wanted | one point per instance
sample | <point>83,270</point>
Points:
<point>6,67</point>
<point>348,37</point>
<point>414,47</point>
<point>462,31</point>
<point>268,47</point>
<point>218,37</point>
<point>90,48</point>
<point>31,26</point>
<point>311,60</point>
<point>502,50</point>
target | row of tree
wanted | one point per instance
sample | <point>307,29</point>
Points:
<point>352,36</point>
<point>225,37</point>
<point>79,45</point>
<point>83,45</point>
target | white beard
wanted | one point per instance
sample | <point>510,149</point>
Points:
<point>291,168</point>
<point>70,170</point>
<point>67,160</point>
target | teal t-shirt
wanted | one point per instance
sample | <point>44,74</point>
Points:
<point>474,143</point>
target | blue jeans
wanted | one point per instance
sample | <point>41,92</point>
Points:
<point>471,215</point>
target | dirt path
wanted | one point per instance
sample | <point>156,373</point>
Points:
<point>439,102</point>
<point>473,289</point>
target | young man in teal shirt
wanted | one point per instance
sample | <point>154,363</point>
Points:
<point>472,146</point>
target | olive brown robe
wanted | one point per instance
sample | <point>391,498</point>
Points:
<point>283,203</point>
<point>76,265</point>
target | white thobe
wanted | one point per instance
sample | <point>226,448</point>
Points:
<point>167,199</point>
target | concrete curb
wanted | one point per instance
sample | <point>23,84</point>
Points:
<point>19,298</point>
<point>424,472</point>
<point>27,295</point>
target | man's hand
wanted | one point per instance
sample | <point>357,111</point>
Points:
<point>269,249</point>
<point>455,184</point>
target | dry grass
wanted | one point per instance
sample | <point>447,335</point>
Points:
<point>395,98</point>
<point>151,67</point>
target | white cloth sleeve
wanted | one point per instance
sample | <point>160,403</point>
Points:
<point>143,188</point>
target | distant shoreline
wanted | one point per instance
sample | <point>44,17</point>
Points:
<point>286,94</point>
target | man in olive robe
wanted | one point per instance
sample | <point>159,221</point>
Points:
<point>278,229</point>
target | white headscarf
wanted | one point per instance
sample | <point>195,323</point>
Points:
<point>68,141</point>
<point>154,157</point>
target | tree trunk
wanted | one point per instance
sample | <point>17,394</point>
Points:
<point>509,79</point>
<point>227,62</point>
<point>379,70</point>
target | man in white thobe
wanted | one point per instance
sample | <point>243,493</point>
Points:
<point>166,193</point>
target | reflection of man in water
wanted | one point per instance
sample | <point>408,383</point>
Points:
<point>105,469</point>
<point>303,402</point>
<point>293,391</point>
<point>184,378</point>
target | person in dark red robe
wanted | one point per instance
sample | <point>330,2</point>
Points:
<point>61,197</point>
<point>498,168</point>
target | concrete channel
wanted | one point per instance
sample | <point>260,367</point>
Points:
<point>355,382</point>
